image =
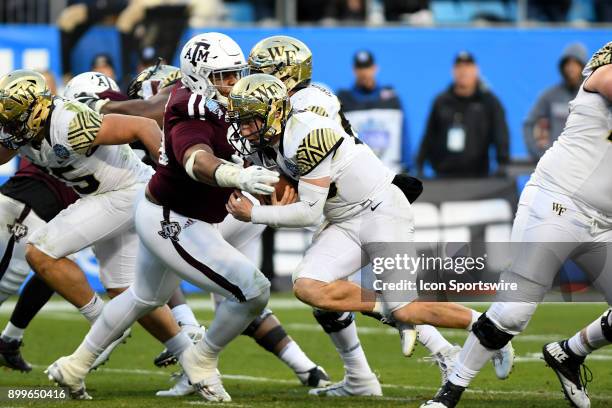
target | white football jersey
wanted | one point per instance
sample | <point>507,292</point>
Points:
<point>67,153</point>
<point>579,163</point>
<point>317,99</point>
<point>357,175</point>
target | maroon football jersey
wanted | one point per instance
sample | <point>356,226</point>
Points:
<point>191,119</point>
<point>64,194</point>
<point>113,95</point>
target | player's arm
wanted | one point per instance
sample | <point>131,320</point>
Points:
<point>600,81</point>
<point>7,154</point>
<point>152,108</point>
<point>192,143</point>
<point>122,129</point>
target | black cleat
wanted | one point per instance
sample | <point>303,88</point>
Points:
<point>571,371</point>
<point>165,359</point>
<point>447,397</point>
<point>10,356</point>
<point>316,377</point>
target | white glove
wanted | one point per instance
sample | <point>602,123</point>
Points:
<point>253,179</point>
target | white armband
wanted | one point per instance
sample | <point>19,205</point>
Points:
<point>190,162</point>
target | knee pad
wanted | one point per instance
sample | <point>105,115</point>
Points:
<point>489,335</point>
<point>511,317</point>
<point>254,325</point>
<point>333,322</point>
<point>142,303</point>
<point>606,328</point>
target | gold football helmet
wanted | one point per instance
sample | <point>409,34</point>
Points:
<point>25,105</point>
<point>157,77</point>
<point>287,58</point>
<point>261,99</point>
<point>602,57</point>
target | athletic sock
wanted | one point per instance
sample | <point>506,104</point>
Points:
<point>432,339</point>
<point>12,332</point>
<point>93,309</point>
<point>351,352</point>
<point>184,315</point>
<point>594,340</point>
<point>295,358</point>
<point>472,358</point>
<point>177,344</point>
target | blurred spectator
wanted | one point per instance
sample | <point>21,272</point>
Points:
<point>413,12</point>
<point>345,10</point>
<point>603,11</point>
<point>546,120</point>
<point>76,19</point>
<point>264,9</point>
<point>374,111</point>
<point>311,10</point>
<point>553,11</point>
<point>103,63</point>
<point>464,122</point>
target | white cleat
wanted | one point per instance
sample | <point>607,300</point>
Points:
<point>315,377</point>
<point>63,373</point>
<point>446,360</point>
<point>105,355</point>
<point>503,361</point>
<point>408,338</point>
<point>432,404</point>
<point>348,387</point>
<point>203,375</point>
<point>182,387</point>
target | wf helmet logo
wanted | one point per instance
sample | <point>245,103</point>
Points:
<point>280,51</point>
<point>267,91</point>
<point>198,52</point>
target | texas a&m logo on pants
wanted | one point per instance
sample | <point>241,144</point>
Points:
<point>170,229</point>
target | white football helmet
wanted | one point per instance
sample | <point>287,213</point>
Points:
<point>89,83</point>
<point>208,56</point>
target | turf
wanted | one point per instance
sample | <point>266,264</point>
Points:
<point>255,378</point>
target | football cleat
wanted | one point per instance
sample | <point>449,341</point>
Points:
<point>447,397</point>
<point>571,371</point>
<point>105,355</point>
<point>408,338</point>
<point>182,387</point>
<point>315,377</point>
<point>64,373</point>
<point>203,375</point>
<point>367,386</point>
<point>166,358</point>
<point>10,355</point>
<point>446,360</point>
<point>503,361</point>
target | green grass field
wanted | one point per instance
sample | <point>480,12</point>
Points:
<point>256,378</point>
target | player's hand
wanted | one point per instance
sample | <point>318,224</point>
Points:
<point>289,196</point>
<point>257,180</point>
<point>91,100</point>
<point>239,206</point>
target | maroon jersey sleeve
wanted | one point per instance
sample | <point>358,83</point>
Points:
<point>113,95</point>
<point>190,133</point>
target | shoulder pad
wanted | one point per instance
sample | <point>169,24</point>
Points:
<point>83,126</point>
<point>315,147</point>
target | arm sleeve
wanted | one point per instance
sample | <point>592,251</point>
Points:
<point>538,111</point>
<point>304,213</point>
<point>500,136</point>
<point>190,133</point>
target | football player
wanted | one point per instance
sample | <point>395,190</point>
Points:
<point>87,152</point>
<point>342,180</point>
<point>564,213</point>
<point>266,329</point>
<point>290,60</point>
<point>185,199</point>
<point>33,187</point>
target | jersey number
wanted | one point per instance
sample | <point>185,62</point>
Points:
<point>82,185</point>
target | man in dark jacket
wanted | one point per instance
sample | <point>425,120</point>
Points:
<point>465,121</point>
<point>547,117</point>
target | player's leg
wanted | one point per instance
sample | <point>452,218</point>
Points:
<point>154,284</point>
<point>18,221</point>
<point>200,255</point>
<point>566,357</point>
<point>536,261</point>
<point>332,256</point>
<point>266,329</point>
